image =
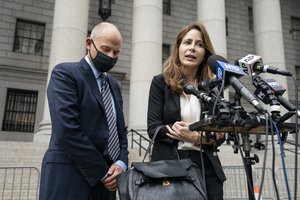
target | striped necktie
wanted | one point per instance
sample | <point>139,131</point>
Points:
<point>113,140</point>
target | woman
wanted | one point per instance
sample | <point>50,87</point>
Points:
<point>170,110</point>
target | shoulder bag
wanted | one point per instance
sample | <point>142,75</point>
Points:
<point>161,180</point>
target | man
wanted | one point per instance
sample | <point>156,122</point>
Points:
<point>88,145</point>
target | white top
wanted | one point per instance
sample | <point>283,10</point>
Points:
<point>190,112</point>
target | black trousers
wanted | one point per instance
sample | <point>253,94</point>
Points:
<point>214,187</point>
<point>100,192</point>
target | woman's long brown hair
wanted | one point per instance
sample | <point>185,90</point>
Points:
<point>173,71</point>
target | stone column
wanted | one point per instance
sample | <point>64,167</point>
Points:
<point>268,36</point>
<point>67,45</point>
<point>146,57</point>
<point>269,39</point>
<point>212,14</point>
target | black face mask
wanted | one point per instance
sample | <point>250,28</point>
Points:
<point>103,62</point>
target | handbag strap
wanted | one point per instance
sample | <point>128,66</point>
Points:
<point>149,149</point>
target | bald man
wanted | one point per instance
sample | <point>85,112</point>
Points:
<point>88,145</point>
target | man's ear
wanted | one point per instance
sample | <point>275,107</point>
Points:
<point>88,42</point>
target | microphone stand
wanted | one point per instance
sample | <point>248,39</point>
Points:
<point>231,117</point>
<point>271,99</point>
<point>247,159</point>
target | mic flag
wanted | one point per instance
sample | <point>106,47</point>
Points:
<point>248,62</point>
<point>226,68</point>
<point>276,87</point>
<point>223,70</point>
<point>253,64</point>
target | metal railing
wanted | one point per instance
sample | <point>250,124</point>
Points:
<point>138,138</point>
<point>19,183</point>
<point>235,187</point>
<point>291,180</point>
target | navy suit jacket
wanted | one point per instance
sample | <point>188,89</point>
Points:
<point>76,159</point>
<point>164,109</point>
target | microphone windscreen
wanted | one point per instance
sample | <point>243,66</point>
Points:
<point>212,62</point>
<point>189,89</point>
<point>236,61</point>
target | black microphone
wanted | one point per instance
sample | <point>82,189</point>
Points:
<point>209,84</point>
<point>190,89</point>
<point>254,64</point>
<point>219,64</point>
<point>210,87</point>
<point>288,105</point>
<point>270,69</point>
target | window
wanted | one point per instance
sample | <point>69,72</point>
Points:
<point>167,7</point>
<point>295,31</point>
<point>165,52</point>
<point>20,110</point>
<point>29,37</point>
<point>250,19</point>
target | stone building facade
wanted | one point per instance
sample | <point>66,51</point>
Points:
<point>37,34</point>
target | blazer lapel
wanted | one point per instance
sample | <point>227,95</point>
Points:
<point>91,81</point>
<point>176,98</point>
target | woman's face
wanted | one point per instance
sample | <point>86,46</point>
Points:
<point>191,50</point>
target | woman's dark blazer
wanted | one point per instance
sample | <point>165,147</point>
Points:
<point>164,109</point>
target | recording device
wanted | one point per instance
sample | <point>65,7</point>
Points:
<point>229,74</point>
<point>190,89</point>
<point>253,64</point>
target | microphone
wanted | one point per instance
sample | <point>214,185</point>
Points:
<point>254,64</point>
<point>288,105</point>
<point>190,89</point>
<point>229,72</point>
<point>266,94</point>
<point>210,87</point>
<point>209,84</point>
<point>278,90</point>
<point>220,66</point>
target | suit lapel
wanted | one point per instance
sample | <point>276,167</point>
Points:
<point>91,81</point>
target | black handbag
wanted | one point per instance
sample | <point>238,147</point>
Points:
<point>162,180</point>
